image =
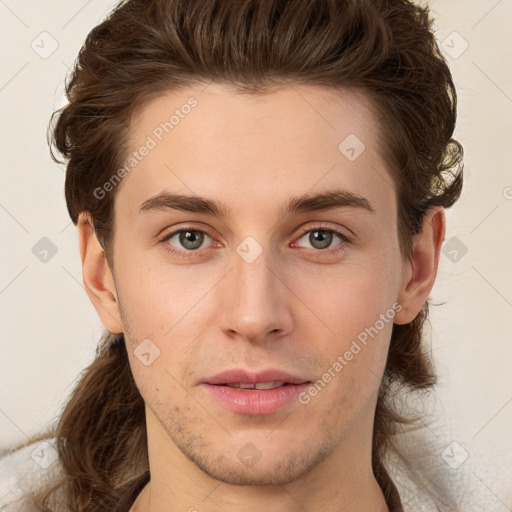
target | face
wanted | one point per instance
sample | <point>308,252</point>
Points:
<point>257,284</point>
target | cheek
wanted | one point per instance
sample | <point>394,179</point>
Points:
<point>153,297</point>
<point>158,381</point>
<point>355,309</point>
<point>351,298</point>
<point>354,363</point>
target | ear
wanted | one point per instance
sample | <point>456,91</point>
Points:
<point>97,277</point>
<point>420,272</point>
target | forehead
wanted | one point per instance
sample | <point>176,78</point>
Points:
<point>251,151</point>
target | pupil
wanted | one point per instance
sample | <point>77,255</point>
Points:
<point>191,239</point>
<point>320,239</point>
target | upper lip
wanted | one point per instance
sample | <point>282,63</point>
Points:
<point>244,376</point>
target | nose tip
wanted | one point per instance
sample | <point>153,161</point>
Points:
<point>253,328</point>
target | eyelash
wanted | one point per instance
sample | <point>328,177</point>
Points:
<point>191,253</point>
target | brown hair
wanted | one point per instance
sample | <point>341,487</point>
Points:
<point>384,48</point>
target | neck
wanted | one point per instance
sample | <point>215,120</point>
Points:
<point>375,501</point>
<point>342,481</point>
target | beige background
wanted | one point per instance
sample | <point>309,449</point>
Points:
<point>50,329</point>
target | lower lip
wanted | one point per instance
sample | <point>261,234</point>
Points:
<point>255,401</point>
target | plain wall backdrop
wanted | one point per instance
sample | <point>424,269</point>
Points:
<point>50,329</point>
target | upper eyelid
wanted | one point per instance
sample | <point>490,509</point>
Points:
<point>174,232</point>
<point>320,227</point>
<point>304,230</point>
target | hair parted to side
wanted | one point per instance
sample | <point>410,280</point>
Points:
<point>384,48</point>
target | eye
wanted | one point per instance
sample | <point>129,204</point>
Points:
<point>185,240</point>
<point>321,238</point>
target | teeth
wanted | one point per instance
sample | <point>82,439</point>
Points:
<point>259,385</point>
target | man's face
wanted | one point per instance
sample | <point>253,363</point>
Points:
<point>293,296</point>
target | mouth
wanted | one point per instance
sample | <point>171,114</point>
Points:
<point>256,399</point>
<point>258,385</point>
<point>255,393</point>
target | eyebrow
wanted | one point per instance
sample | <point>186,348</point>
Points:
<point>328,200</point>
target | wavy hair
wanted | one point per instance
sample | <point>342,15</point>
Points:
<point>384,48</point>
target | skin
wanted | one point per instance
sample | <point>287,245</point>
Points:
<point>296,307</point>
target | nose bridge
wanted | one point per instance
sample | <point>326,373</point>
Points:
<point>256,299</point>
<point>255,282</point>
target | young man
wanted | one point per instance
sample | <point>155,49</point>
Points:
<point>246,242</point>
<point>259,197</point>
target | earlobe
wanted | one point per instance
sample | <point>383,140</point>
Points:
<point>420,272</point>
<point>96,275</point>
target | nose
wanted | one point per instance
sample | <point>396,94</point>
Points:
<point>256,303</point>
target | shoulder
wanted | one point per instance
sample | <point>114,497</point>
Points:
<point>439,474</point>
<point>25,470</point>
